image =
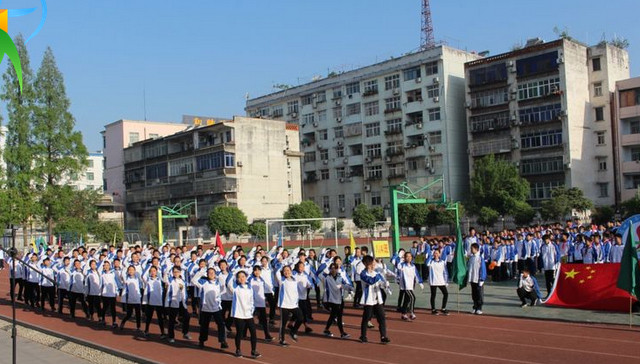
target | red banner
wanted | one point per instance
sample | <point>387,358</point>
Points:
<point>589,287</point>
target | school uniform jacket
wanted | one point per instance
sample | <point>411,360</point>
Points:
<point>242,303</point>
<point>153,289</point>
<point>132,292</point>
<point>372,285</point>
<point>175,294</point>
<point>47,272</point>
<point>110,284</point>
<point>93,283</point>
<point>288,295</point>
<point>438,273</point>
<point>409,274</point>
<point>334,288</point>
<point>476,269</point>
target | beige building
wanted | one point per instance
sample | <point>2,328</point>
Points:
<point>253,164</point>
<point>546,108</point>
<point>627,128</point>
<point>399,120</point>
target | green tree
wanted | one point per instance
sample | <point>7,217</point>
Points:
<point>304,210</point>
<point>365,217</point>
<point>149,228</point>
<point>488,216</point>
<point>631,207</point>
<point>602,215</point>
<point>340,225</point>
<point>20,197</point>
<point>58,149</point>
<point>258,230</point>
<point>497,185</point>
<point>523,214</point>
<point>79,210</point>
<point>228,220</point>
<point>562,203</point>
<point>413,216</point>
<point>107,232</point>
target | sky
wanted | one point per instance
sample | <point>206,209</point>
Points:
<point>202,57</point>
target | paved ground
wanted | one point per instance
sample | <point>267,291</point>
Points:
<point>30,352</point>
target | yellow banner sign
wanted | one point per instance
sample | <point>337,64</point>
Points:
<point>381,249</point>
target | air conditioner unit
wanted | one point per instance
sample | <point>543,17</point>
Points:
<point>419,125</point>
<point>326,161</point>
<point>367,188</point>
<point>294,114</point>
<point>341,180</point>
<point>513,97</point>
<point>388,159</point>
<point>418,79</point>
<point>560,60</point>
<point>513,117</point>
<point>567,165</point>
<point>432,171</point>
<point>315,124</point>
<point>512,66</point>
<point>342,209</point>
<point>339,119</point>
<point>436,80</point>
<point>314,105</point>
<point>338,102</point>
<point>432,148</point>
<point>562,113</point>
<point>339,143</point>
<point>239,164</point>
<point>345,161</point>
<point>396,91</point>
<point>367,159</point>
<point>467,105</point>
<point>436,99</point>
<point>319,146</point>
<point>326,210</point>
<point>427,163</point>
<point>517,163</point>
<point>513,90</point>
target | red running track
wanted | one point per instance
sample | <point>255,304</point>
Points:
<point>458,338</point>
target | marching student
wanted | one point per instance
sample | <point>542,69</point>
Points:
<point>227,296</point>
<point>259,287</point>
<point>132,296</point>
<point>47,289</point>
<point>288,302</point>
<point>305,283</point>
<point>438,279</point>
<point>77,289</point>
<point>356,269</point>
<point>210,293</point>
<point>109,290</point>
<point>16,277</point>
<point>176,303</point>
<point>1,259</point>
<point>372,285</point>
<point>409,275</point>
<point>550,260</point>
<point>528,288</point>
<point>333,299</point>
<point>93,284</point>
<point>242,311</point>
<point>153,301</point>
<point>477,274</point>
<point>267,275</point>
<point>63,281</point>
<point>32,278</point>
<point>395,261</point>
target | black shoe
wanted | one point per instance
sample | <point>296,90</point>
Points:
<point>294,337</point>
<point>255,354</point>
<point>272,322</point>
<point>434,312</point>
<point>224,345</point>
<point>308,330</point>
<point>268,339</point>
<point>370,325</point>
<point>327,333</point>
<point>385,340</point>
<point>445,312</point>
<point>363,340</point>
<point>284,343</point>
<point>345,336</point>
<point>201,345</point>
<point>238,354</point>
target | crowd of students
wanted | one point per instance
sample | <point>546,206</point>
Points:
<point>231,289</point>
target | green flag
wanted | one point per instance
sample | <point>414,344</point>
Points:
<point>459,263</point>
<point>629,277</point>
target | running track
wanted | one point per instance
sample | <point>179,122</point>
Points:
<point>459,338</point>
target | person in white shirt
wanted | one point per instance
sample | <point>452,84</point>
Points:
<point>305,283</point>
<point>32,278</point>
<point>152,299</point>
<point>288,303</point>
<point>267,275</point>
<point>528,288</point>
<point>477,274</point>
<point>176,303</point>
<point>242,311</point>
<point>615,254</point>
<point>259,287</point>
<point>92,284</point>
<point>550,260</point>
<point>438,279</point>
<point>63,281</point>
<point>210,292</point>
<point>16,277</point>
<point>409,274</point>
<point>334,285</point>
<point>372,285</point>
<point>223,276</point>
<point>132,296</point>
<point>47,288</point>
<point>109,291</point>
<point>76,289</point>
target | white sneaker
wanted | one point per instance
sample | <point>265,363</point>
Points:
<point>473,312</point>
<point>478,312</point>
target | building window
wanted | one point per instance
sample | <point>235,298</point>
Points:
<point>339,152</point>
<point>630,97</point>
<point>538,114</point>
<point>435,137</point>
<point>356,149</point>
<point>604,189</point>
<point>337,112</point>
<point>414,95</point>
<point>357,199</point>
<point>412,164</point>
<point>215,160</point>
<point>394,148</point>
<point>338,132</point>
<point>392,104</point>
<point>325,203</point>
<point>396,170</point>
<point>341,202</point>
<point>228,136</point>
<point>489,98</point>
<point>292,107</point>
<point>133,137</point>
<point>321,96</point>
<point>599,113</point>
<point>372,129</point>
<point>104,184</point>
<point>632,182</point>
<point>602,164</point>
<point>374,172</point>
<point>371,108</point>
<point>541,166</point>
<point>157,171</point>
<point>434,114</point>
<point>489,74</point>
<point>433,91</point>
<point>353,109</point>
<point>324,174</point>
<point>436,163</point>
<point>353,88</point>
<point>537,64</point>
<point>391,82</point>
<point>104,142</point>
<point>373,150</point>
<point>595,64</point>
<point>634,127</point>
<point>431,68</point>
<point>635,154</point>
<point>310,156</point>
<point>324,154</point>
<point>376,198</point>
<point>371,87</point>
<point>322,116</point>
<point>323,134</point>
<point>308,119</point>
<point>394,125</point>
<point>411,73</point>
<point>90,176</point>
<point>90,163</point>
<point>534,89</point>
<point>597,89</point>
<point>541,139</point>
<point>180,167</point>
<point>542,190</point>
<point>306,100</point>
<point>600,138</point>
<point>277,111</point>
<point>337,92</point>
<point>340,172</point>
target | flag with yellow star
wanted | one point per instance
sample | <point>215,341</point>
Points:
<point>589,287</point>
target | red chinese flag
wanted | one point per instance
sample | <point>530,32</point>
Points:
<point>219,243</point>
<point>589,287</point>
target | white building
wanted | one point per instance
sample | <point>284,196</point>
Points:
<point>91,177</point>
<point>547,109</point>
<point>363,130</point>
<point>3,142</point>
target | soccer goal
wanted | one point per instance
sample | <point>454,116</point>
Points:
<point>299,224</point>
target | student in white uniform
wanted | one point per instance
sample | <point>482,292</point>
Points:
<point>372,285</point>
<point>93,284</point>
<point>109,290</point>
<point>153,301</point>
<point>242,311</point>
<point>210,292</point>
<point>438,279</point>
<point>47,288</point>
<point>259,287</point>
<point>288,303</point>
<point>63,281</point>
<point>31,280</point>
<point>176,303</point>
<point>409,274</point>
<point>132,296</point>
<point>334,285</point>
<point>76,289</point>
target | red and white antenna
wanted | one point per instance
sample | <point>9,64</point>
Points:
<point>427,38</point>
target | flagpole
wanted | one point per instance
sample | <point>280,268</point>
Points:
<point>458,299</point>
<point>630,312</point>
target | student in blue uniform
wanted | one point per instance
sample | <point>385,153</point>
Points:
<point>153,301</point>
<point>476,274</point>
<point>242,311</point>
<point>438,279</point>
<point>372,285</point>
<point>210,293</point>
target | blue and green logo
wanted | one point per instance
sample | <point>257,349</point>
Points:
<point>7,46</point>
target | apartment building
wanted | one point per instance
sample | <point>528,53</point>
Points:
<point>253,164</point>
<point>91,177</point>
<point>627,127</point>
<point>380,125</point>
<point>547,108</point>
